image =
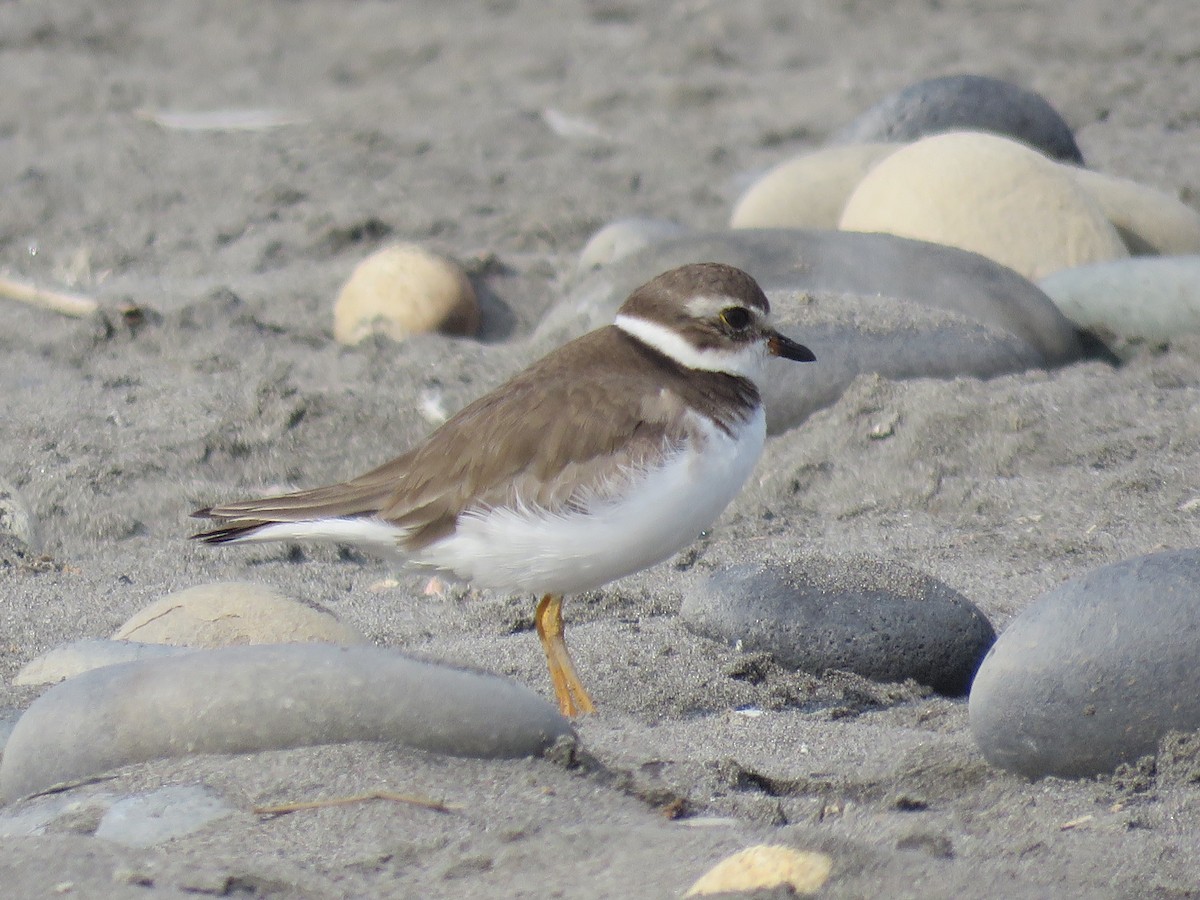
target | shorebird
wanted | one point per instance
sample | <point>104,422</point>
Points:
<point>603,458</point>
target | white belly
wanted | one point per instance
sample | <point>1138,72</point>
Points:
<point>667,508</point>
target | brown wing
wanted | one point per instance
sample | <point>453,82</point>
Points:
<point>577,417</point>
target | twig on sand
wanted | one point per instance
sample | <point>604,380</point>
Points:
<point>68,304</point>
<point>423,802</point>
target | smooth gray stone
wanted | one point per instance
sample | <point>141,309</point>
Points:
<point>1149,298</point>
<point>77,657</point>
<point>965,103</point>
<point>1094,673</point>
<point>268,696</point>
<point>171,812</point>
<point>877,618</point>
<point>845,262</point>
<point>897,339</point>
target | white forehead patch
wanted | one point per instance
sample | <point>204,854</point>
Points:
<point>707,306</point>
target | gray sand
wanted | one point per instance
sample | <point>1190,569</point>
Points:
<point>425,122</point>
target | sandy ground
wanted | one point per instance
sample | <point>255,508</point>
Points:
<point>432,122</point>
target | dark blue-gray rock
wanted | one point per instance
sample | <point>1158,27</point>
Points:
<point>864,303</point>
<point>877,618</point>
<point>1131,300</point>
<point>244,699</point>
<point>1094,673</point>
<point>965,103</point>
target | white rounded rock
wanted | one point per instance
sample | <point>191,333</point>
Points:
<point>233,612</point>
<point>623,237</point>
<point>1153,298</point>
<point>809,191</point>
<point>404,290</point>
<point>1151,222</point>
<point>987,194</point>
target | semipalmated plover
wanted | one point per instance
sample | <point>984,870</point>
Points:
<point>603,458</point>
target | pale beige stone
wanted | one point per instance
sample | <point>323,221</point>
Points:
<point>809,191</point>
<point>404,290</point>
<point>1151,222</point>
<point>222,614</point>
<point>765,866</point>
<point>987,194</point>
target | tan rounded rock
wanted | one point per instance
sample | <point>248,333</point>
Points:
<point>223,614</point>
<point>764,867</point>
<point>809,191</point>
<point>986,194</point>
<point>405,290</point>
<point>1151,222</point>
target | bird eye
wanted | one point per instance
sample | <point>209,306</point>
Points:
<point>736,317</point>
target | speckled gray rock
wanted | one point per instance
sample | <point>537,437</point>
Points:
<point>77,657</point>
<point>877,618</point>
<point>838,262</point>
<point>1095,672</point>
<point>965,102</point>
<point>1131,300</point>
<point>243,699</point>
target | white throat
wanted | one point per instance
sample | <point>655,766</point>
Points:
<point>747,360</point>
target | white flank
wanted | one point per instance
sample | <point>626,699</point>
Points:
<point>748,360</point>
<point>655,515</point>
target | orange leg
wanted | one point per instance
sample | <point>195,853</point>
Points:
<point>573,700</point>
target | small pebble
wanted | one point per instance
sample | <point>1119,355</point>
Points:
<point>966,103</point>
<point>765,867</point>
<point>1094,673</point>
<point>987,194</point>
<point>17,521</point>
<point>876,618</point>
<point>404,290</point>
<point>265,697</point>
<point>222,614</point>
<point>1131,300</point>
<point>809,191</point>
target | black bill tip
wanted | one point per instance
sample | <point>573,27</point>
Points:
<point>781,345</point>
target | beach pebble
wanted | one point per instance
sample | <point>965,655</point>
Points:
<point>404,290</point>
<point>1150,299</point>
<point>987,194</point>
<point>623,237</point>
<point>171,812</point>
<point>873,617</point>
<point>868,265</point>
<point>765,867</point>
<point>16,521</point>
<point>245,699</point>
<point>77,657</point>
<point>809,191</point>
<point>233,612</point>
<point>1149,221</point>
<point>965,103</point>
<point>1094,673</point>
